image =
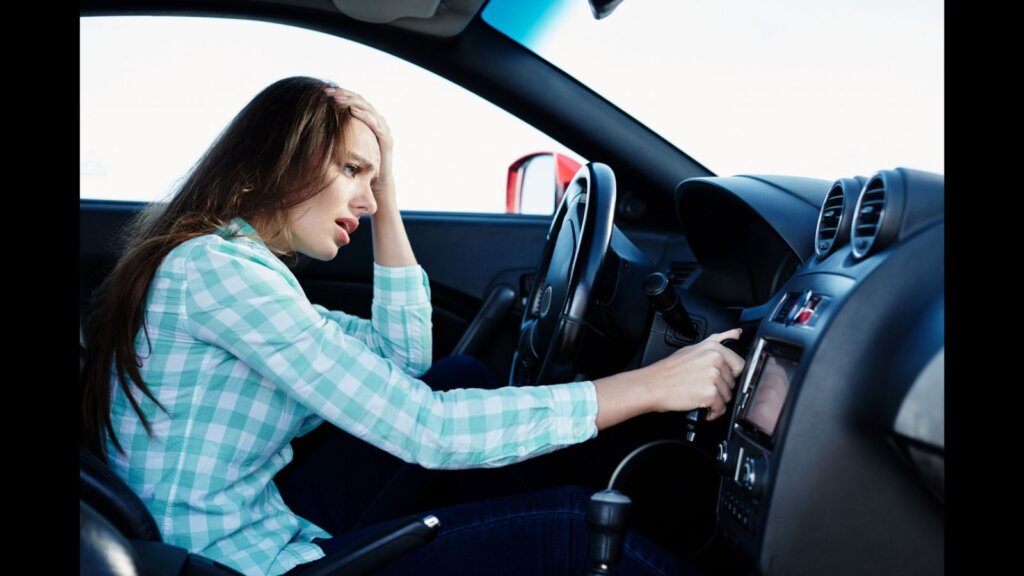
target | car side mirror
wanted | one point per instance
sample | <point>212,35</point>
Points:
<point>537,181</point>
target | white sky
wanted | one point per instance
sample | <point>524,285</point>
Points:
<point>823,88</point>
<point>155,92</point>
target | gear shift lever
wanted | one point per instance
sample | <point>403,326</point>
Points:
<point>607,518</point>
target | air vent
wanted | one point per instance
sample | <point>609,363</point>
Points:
<point>868,218</point>
<point>829,220</point>
<point>679,272</point>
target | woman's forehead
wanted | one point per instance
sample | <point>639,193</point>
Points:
<point>360,140</point>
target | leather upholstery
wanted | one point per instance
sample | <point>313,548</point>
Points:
<point>101,489</point>
<point>103,551</point>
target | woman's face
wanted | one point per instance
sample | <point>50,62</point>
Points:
<point>322,224</point>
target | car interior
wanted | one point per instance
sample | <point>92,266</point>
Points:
<point>830,459</point>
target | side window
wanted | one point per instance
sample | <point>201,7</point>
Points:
<point>156,91</point>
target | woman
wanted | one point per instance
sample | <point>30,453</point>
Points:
<point>206,359</point>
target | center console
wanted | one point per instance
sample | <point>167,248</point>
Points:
<point>747,455</point>
<point>764,401</point>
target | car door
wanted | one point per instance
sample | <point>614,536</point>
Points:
<point>467,257</point>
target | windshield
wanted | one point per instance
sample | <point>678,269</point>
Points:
<point>821,88</point>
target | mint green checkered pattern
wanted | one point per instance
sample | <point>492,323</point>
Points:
<point>244,363</point>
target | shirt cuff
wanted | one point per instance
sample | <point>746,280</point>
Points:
<point>400,286</point>
<point>576,409</point>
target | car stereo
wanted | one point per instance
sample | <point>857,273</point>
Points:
<point>748,456</point>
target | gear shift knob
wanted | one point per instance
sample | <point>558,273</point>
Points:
<point>607,518</point>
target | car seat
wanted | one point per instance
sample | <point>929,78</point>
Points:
<point>118,536</point>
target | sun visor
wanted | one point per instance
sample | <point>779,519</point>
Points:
<point>432,17</point>
<point>387,11</point>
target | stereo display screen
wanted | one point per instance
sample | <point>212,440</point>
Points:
<point>764,408</point>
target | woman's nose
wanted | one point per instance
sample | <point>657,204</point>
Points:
<point>366,201</point>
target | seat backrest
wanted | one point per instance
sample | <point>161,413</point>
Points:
<point>101,489</point>
<point>101,548</point>
<point>114,520</point>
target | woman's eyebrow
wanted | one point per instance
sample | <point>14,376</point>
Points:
<point>366,164</point>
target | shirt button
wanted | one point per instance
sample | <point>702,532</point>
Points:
<point>404,385</point>
<point>521,450</point>
<point>578,431</point>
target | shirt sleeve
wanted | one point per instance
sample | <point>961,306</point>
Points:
<point>236,299</point>
<point>400,326</point>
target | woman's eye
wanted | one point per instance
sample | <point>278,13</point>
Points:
<point>350,169</point>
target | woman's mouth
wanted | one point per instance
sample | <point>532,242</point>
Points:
<point>342,235</point>
<point>345,227</point>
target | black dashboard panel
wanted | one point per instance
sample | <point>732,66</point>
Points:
<point>834,458</point>
<point>749,233</point>
<point>843,498</point>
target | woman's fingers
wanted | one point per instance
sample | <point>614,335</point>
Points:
<point>365,112</point>
<point>727,335</point>
<point>355,99</point>
<point>350,98</point>
<point>356,103</point>
<point>707,374</point>
<point>379,127</point>
<point>374,121</point>
<point>734,360</point>
<point>719,394</point>
<point>725,383</point>
<point>717,407</point>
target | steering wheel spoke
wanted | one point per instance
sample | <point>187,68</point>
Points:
<point>577,242</point>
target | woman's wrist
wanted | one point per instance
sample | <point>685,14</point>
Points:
<point>385,197</point>
<point>652,396</point>
<point>387,211</point>
<point>626,395</point>
<point>390,242</point>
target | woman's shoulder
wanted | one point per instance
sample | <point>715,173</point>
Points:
<point>227,266</point>
<point>224,245</point>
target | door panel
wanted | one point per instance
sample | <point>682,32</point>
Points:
<point>465,256</point>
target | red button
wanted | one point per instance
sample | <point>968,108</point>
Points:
<point>804,316</point>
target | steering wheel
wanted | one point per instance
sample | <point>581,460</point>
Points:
<point>554,320</point>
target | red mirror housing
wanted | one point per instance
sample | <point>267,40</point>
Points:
<point>565,168</point>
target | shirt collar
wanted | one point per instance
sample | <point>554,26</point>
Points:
<point>239,227</point>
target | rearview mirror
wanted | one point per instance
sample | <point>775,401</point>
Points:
<point>537,181</point>
<point>602,8</point>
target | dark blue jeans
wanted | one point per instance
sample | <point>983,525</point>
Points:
<point>348,487</point>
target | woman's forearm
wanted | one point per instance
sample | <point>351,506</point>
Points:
<point>621,397</point>
<point>390,242</point>
<point>699,376</point>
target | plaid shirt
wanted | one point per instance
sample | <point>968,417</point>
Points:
<point>244,363</point>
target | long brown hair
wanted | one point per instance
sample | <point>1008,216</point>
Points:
<point>271,157</point>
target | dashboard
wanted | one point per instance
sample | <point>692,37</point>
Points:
<point>833,461</point>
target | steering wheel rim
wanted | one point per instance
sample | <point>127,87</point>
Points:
<point>554,318</point>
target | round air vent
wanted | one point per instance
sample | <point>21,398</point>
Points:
<point>833,220</point>
<point>877,215</point>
